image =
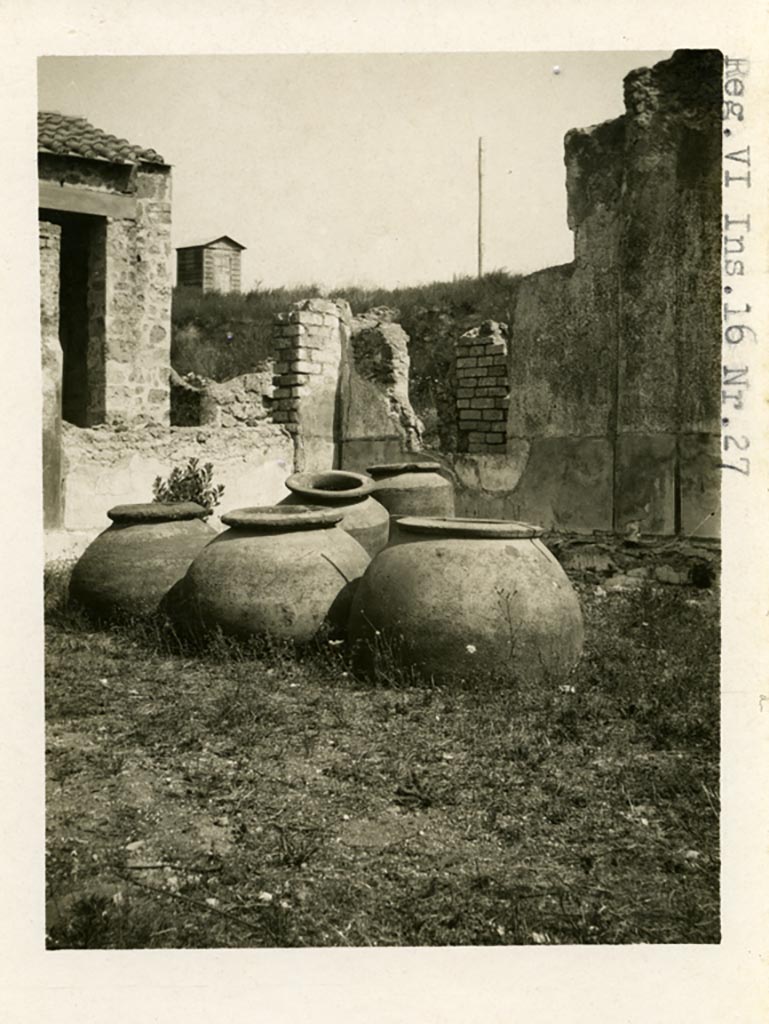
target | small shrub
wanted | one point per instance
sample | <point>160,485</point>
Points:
<point>189,483</point>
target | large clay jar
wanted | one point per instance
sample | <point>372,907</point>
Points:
<point>130,567</point>
<point>468,596</point>
<point>278,571</point>
<point>413,489</point>
<point>349,493</point>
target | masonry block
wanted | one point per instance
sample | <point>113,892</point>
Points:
<point>304,366</point>
<point>491,391</point>
<point>700,474</point>
<point>644,491</point>
<point>566,484</point>
<point>305,317</point>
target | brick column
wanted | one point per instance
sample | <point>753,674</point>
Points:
<point>52,362</point>
<point>309,343</point>
<point>482,389</point>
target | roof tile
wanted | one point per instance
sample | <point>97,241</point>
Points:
<point>74,136</point>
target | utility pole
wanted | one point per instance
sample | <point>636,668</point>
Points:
<point>480,207</point>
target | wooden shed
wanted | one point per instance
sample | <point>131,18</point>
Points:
<point>212,266</point>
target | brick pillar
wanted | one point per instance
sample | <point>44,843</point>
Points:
<point>52,363</point>
<point>309,343</point>
<point>483,389</point>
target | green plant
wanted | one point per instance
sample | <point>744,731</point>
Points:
<point>189,483</point>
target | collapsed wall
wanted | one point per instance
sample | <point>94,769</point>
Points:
<point>377,422</point>
<point>244,400</point>
<point>87,469</point>
<point>341,386</point>
<point>614,359</point>
<point>595,408</point>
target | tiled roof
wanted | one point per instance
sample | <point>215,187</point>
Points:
<point>74,136</point>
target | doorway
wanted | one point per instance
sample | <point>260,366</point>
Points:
<point>82,296</point>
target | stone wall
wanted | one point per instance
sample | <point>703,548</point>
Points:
<point>341,386</point>
<point>95,175</point>
<point>245,400</point>
<point>241,401</point>
<point>614,359</point>
<point>596,410</point>
<point>119,335</point>
<point>128,287</point>
<point>103,467</point>
<point>377,422</point>
<point>50,243</point>
<point>138,309</point>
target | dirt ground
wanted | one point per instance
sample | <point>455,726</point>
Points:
<point>242,797</point>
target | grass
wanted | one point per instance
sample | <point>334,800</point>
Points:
<point>235,795</point>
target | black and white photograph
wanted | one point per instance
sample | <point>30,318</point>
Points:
<point>382,498</point>
<point>385,490</point>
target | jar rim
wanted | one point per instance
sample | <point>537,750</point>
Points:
<point>388,468</point>
<point>282,517</point>
<point>331,485</point>
<point>157,512</point>
<point>445,526</point>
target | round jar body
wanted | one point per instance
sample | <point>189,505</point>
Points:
<point>274,573</point>
<point>128,570</point>
<point>363,517</point>
<point>486,602</point>
<point>413,489</point>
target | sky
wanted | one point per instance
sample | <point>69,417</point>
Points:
<point>342,169</point>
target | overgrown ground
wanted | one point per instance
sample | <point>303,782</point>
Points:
<point>223,335</point>
<point>235,797</point>
<point>236,328</point>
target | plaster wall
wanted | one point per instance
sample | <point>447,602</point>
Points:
<point>103,467</point>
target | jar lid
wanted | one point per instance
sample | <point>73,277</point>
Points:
<point>332,485</point>
<point>282,517</point>
<point>389,468</point>
<point>157,512</point>
<point>449,527</point>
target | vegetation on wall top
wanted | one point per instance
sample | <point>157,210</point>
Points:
<point>222,335</point>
